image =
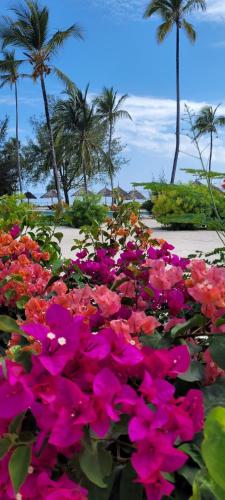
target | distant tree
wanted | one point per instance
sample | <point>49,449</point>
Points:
<point>8,162</point>
<point>207,123</point>
<point>108,108</point>
<point>37,159</point>
<point>76,119</point>
<point>29,32</point>
<point>9,75</point>
<point>173,13</point>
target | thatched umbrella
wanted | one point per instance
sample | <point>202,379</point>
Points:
<point>51,194</point>
<point>30,196</point>
<point>136,195</point>
<point>106,193</point>
<point>81,192</point>
<point>119,191</point>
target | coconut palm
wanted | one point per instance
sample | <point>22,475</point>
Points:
<point>173,13</point>
<point>108,107</point>
<point>74,117</point>
<point>207,123</point>
<point>9,75</point>
<point>29,31</point>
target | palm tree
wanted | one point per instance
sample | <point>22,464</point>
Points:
<point>29,32</point>
<point>108,108</point>
<point>173,13</point>
<point>74,117</point>
<point>207,122</point>
<point>9,75</point>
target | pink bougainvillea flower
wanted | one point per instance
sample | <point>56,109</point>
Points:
<point>139,322</point>
<point>63,489</point>
<point>163,278</point>
<point>160,488</point>
<point>15,231</point>
<point>15,399</point>
<point>59,340</point>
<point>108,301</point>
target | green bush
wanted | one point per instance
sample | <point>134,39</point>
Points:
<point>14,210</point>
<point>147,205</point>
<point>85,211</point>
<point>186,206</point>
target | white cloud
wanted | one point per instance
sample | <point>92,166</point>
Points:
<point>152,129</point>
<point>135,8</point>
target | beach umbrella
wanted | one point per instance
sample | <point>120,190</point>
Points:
<point>121,192</point>
<point>30,196</point>
<point>136,195</point>
<point>105,192</point>
<point>51,194</point>
<point>81,192</point>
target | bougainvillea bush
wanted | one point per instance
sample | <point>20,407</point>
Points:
<point>110,363</point>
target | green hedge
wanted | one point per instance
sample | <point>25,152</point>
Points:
<point>186,206</point>
<point>85,211</point>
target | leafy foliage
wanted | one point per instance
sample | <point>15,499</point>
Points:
<point>86,211</point>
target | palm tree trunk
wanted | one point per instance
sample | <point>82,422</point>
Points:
<point>178,104</point>
<point>52,147</point>
<point>110,159</point>
<point>210,154</point>
<point>83,169</point>
<point>17,141</point>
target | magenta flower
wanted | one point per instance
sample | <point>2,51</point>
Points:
<point>14,399</point>
<point>15,231</point>
<point>60,340</point>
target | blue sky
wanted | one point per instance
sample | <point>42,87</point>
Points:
<point>120,50</point>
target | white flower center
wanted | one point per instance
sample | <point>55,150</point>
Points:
<point>18,496</point>
<point>30,470</point>
<point>61,341</point>
<point>51,336</point>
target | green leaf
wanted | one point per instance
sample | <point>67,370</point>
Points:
<point>18,466</point>
<point>5,445</point>
<point>156,341</point>
<point>214,395</point>
<point>9,293</point>
<point>197,320</point>
<point>15,424</point>
<point>213,446</point>
<point>9,325</point>
<point>220,321</point>
<point>130,490</point>
<point>188,473</point>
<point>96,463</point>
<point>217,350</point>
<point>17,277</point>
<point>22,302</point>
<point>192,451</point>
<point>195,372</point>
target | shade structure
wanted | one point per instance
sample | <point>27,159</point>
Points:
<point>121,192</point>
<point>136,195</point>
<point>30,196</point>
<point>50,194</point>
<point>107,193</point>
<point>81,192</point>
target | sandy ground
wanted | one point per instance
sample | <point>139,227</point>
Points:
<point>185,242</point>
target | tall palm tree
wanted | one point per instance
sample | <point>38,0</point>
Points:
<point>74,117</point>
<point>108,107</point>
<point>173,13</point>
<point>29,31</point>
<point>9,75</point>
<point>207,123</point>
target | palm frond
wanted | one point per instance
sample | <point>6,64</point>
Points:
<point>63,77</point>
<point>190,31</point>
<point>193,5</point>
<point>59,38</point>
<point>163,31</point>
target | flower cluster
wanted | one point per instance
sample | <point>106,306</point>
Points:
<point>83,377</point>
<point>104,363</point>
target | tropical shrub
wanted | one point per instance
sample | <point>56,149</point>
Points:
<point>14,210</point>
<point>85,211</point>
<point>147,205</point>
<point>185,206</point>
<point>106,361</point>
